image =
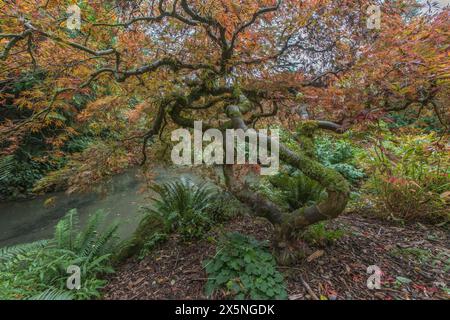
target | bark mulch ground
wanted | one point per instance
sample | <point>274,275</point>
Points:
<point>414,261</point>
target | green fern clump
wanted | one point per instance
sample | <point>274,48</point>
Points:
<point>179,206</point>
<point>39,270</point>
<point>88,242</point>
<point>318,234</point>
<point>11,253</point>
<point>150,244</point>
<point>224,207</point>
<point>185,206</point>
<point>18,174</point>
<point>78,144</point>
<point>297,190</point>
<point>291,189</point>
<point>243,269</point>
<point>7,164</point>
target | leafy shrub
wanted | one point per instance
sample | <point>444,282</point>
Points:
<point>291,189</point>
<point>17,176</point>
<point>272,193</point>
<point>184,207</point>
<point>78,143</point>
<point>318,234</point>
<point>181,207</point>
<point>151,243</point>
<point>56,180</point>
<point>39,270</point>
<point>242,269</point>
<point>428,120</point>
<point>225,206</point>
<point>296,190</point>
<point>410,177</point>
<point>340,156</point>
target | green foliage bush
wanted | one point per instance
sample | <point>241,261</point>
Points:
<point>151,243</point>
<point>243,269</point>
<point>296,190</point>
<point>17,176</point>
<point>181,206</point>
<point>184,206</point>
<point>428,121</point>
<point>30,171</point>
<point>410,177</point>
<point>291,189</point>
<point>39,270</point>
<point>78,143</point>
<point>318,234</point>
<point>191,209</point>
<point>340,156</point>
<point>224,207</point>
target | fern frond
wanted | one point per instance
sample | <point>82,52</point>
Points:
<point>10,253</point>
<point>7,164</point>
<point>104,242</point>
<point>86,239</point>
<point>66,229</point>
<point>53,294</point>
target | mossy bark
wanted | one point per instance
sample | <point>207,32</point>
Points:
<point>288,224</point>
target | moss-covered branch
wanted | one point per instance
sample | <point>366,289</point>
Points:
<point>290,223</point>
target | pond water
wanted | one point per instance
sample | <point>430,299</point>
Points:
<point>31,220</point>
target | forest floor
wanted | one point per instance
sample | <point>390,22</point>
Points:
<point>414,260</point>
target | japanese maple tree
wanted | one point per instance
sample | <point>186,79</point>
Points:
<point>232,64</point>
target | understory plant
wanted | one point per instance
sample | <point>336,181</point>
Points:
<point>244,269</point>
<point>19,172</point>
<point>38,270</point>
<point>410,176</point>
<point>151,243</point>
<point>180,206</point>
<point>184,207</point>
<point>340,156</point>
<point>319,234</point>
<point>294,189</point>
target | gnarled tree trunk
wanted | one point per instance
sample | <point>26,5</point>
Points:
<point>288,224</point>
